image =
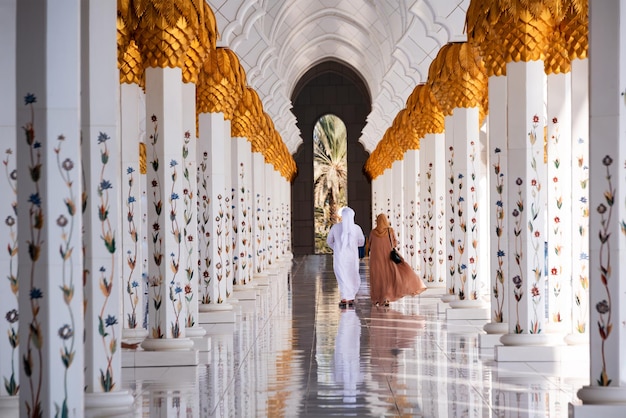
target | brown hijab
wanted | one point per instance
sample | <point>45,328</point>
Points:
<point>382,225</point>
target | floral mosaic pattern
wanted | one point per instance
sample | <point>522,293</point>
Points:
<point>204,229</point>
<point>518,279</point>
<point>132,285</point>
<point>473,256</point>
<point>556,238</point>
<point>536,239</point>
<point>452,263</point>
<point>428,227</point>
<point>498,287</point>
<point>32,362</point>
<point>155,281</point>
<point>67,222</point>
<point>11,384</point>
<point>106,319</point>
<point>190,267</point>
<point>581,288</point>
<point>175,289</point>
<point>604,307</point>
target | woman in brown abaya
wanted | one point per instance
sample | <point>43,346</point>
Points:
<point>389,281</point>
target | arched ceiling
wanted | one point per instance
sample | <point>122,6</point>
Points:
<point>391,43</point>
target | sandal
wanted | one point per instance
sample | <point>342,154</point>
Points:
<point>343,303</point>
<point>386,303</point>
<point>351,302</point>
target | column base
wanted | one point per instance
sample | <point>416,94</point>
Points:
<point>467,304</point>
<point>214,307</point>
<point>167,344</point>
<point>447,298</point>
<point>595,411</point>
<point>467,313</point>
<point>108,404</point>
<point>134,333</point>
<point>10,406</point>
<point>604,395</point>
<point>195,332</point>
<point>217,316</point>
<point>496,328</point>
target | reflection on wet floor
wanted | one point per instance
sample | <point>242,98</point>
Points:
<point>293,352</point>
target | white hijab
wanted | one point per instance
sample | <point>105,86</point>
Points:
<point>347,221</point>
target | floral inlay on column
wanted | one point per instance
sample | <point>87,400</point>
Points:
<point>582,289</point>
<point>556,268</point>
<point>106,325</point>
<point>227,219</point>
<point>604,306</point>
<point>473,259</point>
<point>498,288</point>
<point>429,236</point>
<point>219,267</point>
<point>155,282</point>
<point>190,270</point>
<point>34,359</point>
<point>10,382</point>
<point>461,268</point>
<point>451,226</point>
<point>410,220</point>
<point>535,235</point>
<point>67,222</point>
<point>204,233</point>
<point>175,289</point>
<point>259,234</point>
<point>518,279</point>
<point>242,231</point>
<point>132,285</point>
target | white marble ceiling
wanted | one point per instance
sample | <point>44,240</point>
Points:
<point>391,43</point>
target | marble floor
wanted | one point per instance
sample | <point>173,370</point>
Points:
<point>292,352</point>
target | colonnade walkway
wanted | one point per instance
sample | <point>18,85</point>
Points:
<point>293,352</point>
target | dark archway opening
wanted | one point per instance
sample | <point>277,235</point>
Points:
<point>329,87</point>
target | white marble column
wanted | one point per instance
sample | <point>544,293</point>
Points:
<point>228,254</point>
<point>498,210</point>
<point>259,216</point>
<point>428,216</point>
<point>270,210</point>
<point>211,212</point>
<point>51,349</point>
<point>526,203</point>
<point>9,331</point>
<point>102,216</point>
<point>559,202</point>
<point>467,170</point>
<point>606,392</point>
<point>189,256</point>
<point>433,192</point>
<point>579,303</point>
<point>131,226</point>
<point>242,215</point>
<point>452,277</point>
<point>165,210</point>
<point>412,226</point>
<point>397,199</point>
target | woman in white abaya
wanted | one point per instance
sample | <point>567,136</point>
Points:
<point>344,239</point>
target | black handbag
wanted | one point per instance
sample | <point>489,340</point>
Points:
<point>394,255</point>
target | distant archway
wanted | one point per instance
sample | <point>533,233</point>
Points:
<point>329,88</point>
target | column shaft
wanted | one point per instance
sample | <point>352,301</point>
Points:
<point>49,195</point>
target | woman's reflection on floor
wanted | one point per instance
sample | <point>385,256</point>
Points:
<point>391,332</point>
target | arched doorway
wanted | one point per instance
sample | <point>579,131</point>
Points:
<point>329,88</point>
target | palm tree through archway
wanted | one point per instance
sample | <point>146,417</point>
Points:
<point>330,173</point>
